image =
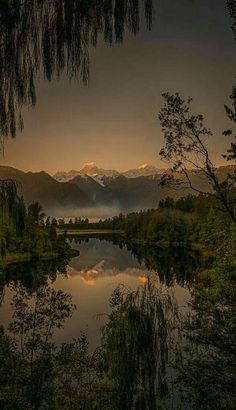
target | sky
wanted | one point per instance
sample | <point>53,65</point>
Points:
<point>114,121</point>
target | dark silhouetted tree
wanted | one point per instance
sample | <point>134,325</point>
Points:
<point>48,38</point>
<point>186,151</point>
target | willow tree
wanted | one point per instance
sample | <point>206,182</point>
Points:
<point>12,213</point>
<point>44,38</point>
<point>12,208</point>
<point>136,345</point>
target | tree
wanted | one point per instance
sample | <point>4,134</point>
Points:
<point>35,211</point>
<point>54,222</point>
<point>54,37</point>
<point>136,345</point>
<point>186,151</point>
<point>208,365</point>
<point>61,222</point>
<point>12,213</point>
<point>37,314</point>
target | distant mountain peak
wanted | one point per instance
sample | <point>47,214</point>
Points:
<point>142,170</point>
<point>90,165</point>
<point>88,168</point>
<point>143,166</point>
<point>102,176</point>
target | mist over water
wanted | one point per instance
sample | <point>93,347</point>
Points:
<point>94,214</point>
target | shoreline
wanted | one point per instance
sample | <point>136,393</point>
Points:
<point>90,231</point>
<point>27,257</point>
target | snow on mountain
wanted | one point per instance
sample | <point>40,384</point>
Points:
<point>102,176</point>
<point>66,176</point>
<point>98,174</point>
<point>143,170</point>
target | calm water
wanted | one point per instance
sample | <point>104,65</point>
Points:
<point>92,277</point>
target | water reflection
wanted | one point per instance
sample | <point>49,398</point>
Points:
<point>33,274</point>
<point>124,366</point>
<point>111,256</point>
<point>128,370</point>
<point>123,346</point>
<point>91,278</point>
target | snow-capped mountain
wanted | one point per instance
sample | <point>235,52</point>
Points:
<point>102,176</point>
<point>118,194</point>
<point>91,169</point>
<point>143,170</point>
<point>65,176</point>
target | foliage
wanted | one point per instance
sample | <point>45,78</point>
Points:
<point>76,376</point>
<point>22,230</point>
<point>136,345</point>
<point>141,341</point>
<point>27,359</point>
<point>52,38</point>
<point>186,151</point>
<point>181,223</point>
<point>130,366</point>
<point>207,369</point>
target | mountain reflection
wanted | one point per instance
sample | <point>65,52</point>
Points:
<point>104,269</point>
<point>135,261</point>
<point>102,332</point>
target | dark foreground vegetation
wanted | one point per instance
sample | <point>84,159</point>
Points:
<point>149,357</point>
<point>202,352</point>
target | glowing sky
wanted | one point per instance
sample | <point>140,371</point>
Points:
<point>114,122</point>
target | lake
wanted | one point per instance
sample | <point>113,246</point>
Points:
<point>91,278</point>
<point>116,300</point>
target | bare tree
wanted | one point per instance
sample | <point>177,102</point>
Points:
<point>187,153</point>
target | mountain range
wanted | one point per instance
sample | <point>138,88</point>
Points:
<point>92,189</point>
<point>102,176</point>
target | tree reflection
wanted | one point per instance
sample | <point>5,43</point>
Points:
<point>144,346</point>
<point>32,274</point>
<point>172,265</point>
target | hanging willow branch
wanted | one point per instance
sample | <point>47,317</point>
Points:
<point>12,207</point>
<point>50,37</point>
